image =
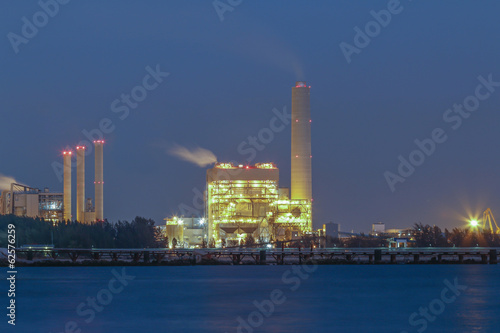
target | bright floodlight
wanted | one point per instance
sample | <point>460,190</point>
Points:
<point>474,223</point>
<point>202,221</point>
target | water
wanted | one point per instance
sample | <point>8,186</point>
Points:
<point>211,298</point>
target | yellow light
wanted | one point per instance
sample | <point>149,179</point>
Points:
<point>474,223</point>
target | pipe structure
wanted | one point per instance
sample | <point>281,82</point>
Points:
<point>301,182</point>
<point>80,183</point>
<point>99,180</point>
<point>67,185</point>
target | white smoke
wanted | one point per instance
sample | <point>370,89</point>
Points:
<point>5,182</point>
<point>199,156</point>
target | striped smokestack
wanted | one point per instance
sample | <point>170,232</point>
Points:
<point>99,181</point>
<point>67,185</point>
<point>80,183</point>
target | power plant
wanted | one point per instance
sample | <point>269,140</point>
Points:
<point>246,200</point>
<point>22,200</point>
<point>240,200</point>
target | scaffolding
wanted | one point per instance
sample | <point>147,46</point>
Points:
<point>239,206</point>
<point>291,215</point>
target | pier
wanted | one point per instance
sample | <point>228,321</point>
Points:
<point>239,256</point>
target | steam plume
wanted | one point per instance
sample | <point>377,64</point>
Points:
<point>5,182</point>
<point>199,156</point>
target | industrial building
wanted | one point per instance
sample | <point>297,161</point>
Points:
<point>188,232</point>
<point>22,200</point>
<point>246,200</point>
<point>243,200</point>
<point>239,200</point>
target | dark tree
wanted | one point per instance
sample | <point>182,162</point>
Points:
<point>249,240</point>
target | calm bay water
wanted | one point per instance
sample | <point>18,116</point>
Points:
<point>228,298</point>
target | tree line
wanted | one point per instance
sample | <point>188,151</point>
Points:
<point>433,236</point>
<point>139,233</point>
<point>423,236</point>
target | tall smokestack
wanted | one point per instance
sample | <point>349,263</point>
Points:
<point>80,183</point>
<point>67,185</point>
<point>99,181</point>
<point>301,184</point>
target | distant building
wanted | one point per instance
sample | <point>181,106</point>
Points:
<point>378,228</point>
<point>332,229</point>
<point>401,237</point>
<point>405,232</point>
<point>396,242</point>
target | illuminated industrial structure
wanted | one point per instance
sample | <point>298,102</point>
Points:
<point>239,200</point>
<point>489,222</point>
<point>246,200</point>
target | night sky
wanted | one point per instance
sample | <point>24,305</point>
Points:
<point>226,77</point>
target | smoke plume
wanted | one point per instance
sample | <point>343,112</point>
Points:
<point>199,156</point>
<point>5,182</point>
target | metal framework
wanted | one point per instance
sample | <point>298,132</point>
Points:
<point>292,214</point>
<point>239,206</point>
<point>489,221</point>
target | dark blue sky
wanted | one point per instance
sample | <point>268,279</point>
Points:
<point>225,79</point>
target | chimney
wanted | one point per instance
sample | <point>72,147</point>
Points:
<point>301,182</point>
<point>80,183</point>
<point>99,180</point>
<point>67,185</point>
